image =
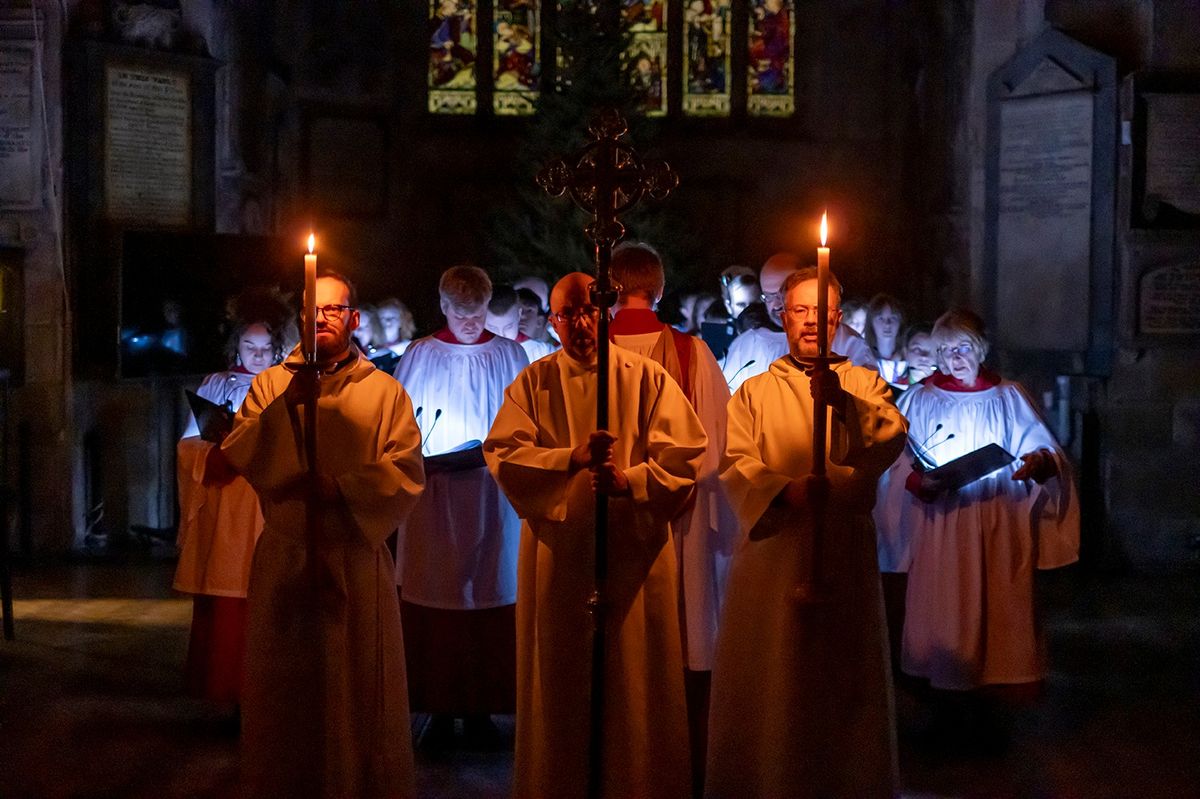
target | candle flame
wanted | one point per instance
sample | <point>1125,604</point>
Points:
<point>312,242</point>
<point>824,227</point>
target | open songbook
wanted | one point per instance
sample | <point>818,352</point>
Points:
<point>215,421</point>
<point>968,468</point>
<point>467,455</point>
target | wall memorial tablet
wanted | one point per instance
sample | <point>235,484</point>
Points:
<point>148,158</point>
<point>20,164</point>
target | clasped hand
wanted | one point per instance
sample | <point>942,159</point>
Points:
<point>596,455</point>
<point>1038,466</point>
<point>826,388</point>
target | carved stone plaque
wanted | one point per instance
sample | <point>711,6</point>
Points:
<point>1169,300</point>
<point>1051,184</point>
<point>20,164</point>
<point>1044,229</point>
<point>148,153</point>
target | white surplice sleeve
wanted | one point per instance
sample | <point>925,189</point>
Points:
<point>381,493</point>
<point>675,444</point>
<point>749,483</point>
<point>873,432</point>
<point>535,479</point>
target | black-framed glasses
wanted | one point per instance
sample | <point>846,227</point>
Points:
<point>326,311</point>
<point>587,311</point>
<point>771,297</point>
<point>961,350</point>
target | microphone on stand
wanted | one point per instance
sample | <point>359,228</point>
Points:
<point>924,451</point>
<point>920,450</point>
<point>437,414</point>
<point>750,362</point>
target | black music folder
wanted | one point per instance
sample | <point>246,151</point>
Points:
<point>468,455</point>
<point>215,421</point>
<point>968,468</point>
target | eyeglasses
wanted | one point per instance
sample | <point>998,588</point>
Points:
<point>326,311</point>
<point>772,297</point>
<point>802,311</point>
<point>587,311</point>
<point>961,350</point>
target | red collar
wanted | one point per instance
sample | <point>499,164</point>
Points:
<point>634,322</point>
<point>948,382</point>
<point>445,335</point>
<point>241,370</point>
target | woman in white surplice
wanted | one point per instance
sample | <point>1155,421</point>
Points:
<point>971,554</point>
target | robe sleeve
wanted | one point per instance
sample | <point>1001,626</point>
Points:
<point>872,433</point>
<point>1054,512</point>
<point>535,479</point>
<point>749,483</point>
<point>248,447</point>
<point>381,493</point>
<point>675,444</point>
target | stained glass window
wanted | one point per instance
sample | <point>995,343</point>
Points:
<point>706,40</point>
<point>515,63</point>
<point>452,49</point>
<point>769,89</point>
<point>645,57</point>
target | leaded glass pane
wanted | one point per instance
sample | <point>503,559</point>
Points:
<point>515,64</point>
<point>645,57</point>
<point>706,57</point>
<point>452,49</point>
<point>770,89</point>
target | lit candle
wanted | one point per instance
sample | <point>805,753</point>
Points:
<point>823,290</point>
<point>308,338</point>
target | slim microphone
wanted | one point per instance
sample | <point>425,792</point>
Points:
<point>920,450</point>
<point>932,447</point>
<point>437,414</point>
<point>417,414</point>
<point>750,362</point>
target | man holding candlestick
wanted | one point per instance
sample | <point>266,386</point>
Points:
<point>801,695</point>
<point>324,638</point>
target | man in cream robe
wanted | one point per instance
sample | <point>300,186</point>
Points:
<point>801,698</point>
<point>548,460</point>
<point>324,641</point>
<point>753,352</point>
<point>704,534</point>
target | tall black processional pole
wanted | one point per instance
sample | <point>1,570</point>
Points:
<point>605,178</point>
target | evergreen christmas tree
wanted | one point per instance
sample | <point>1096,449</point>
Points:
<point>540,235</point>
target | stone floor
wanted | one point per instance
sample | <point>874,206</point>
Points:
<point>90,702</point>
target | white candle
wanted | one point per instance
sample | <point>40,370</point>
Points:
<point>823,291</point>
<point>308,337</point>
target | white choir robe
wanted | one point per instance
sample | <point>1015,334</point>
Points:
<point>705,533</point>
<point>319,712</point>
<point>894,371</point>
<point>753,352</point>
<point>218,524</point>
<point>549,410</point>
<point>535,349</point>
<point>458,548</point>
<point>801,694</point>
<point>971,554</point>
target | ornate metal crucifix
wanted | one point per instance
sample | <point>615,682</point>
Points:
<point>605,178</point>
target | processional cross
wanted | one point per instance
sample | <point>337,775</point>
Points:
<point>605,178</point>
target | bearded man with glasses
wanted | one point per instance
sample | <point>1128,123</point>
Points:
<point>323,640</point>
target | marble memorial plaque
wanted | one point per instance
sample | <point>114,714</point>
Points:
<point>1044,226</point>
<point>148,158</point>
<point>1169,300</point>
<point>20,167</point>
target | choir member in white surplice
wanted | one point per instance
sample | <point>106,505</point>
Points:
<point>704,534</point>
<point>801,696</point>
<point>752,352</point>
<point>219,523</point>
<point>324,643</point>
<point>550,460</point>
<point>971,554</point>
<point>457,561</point>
